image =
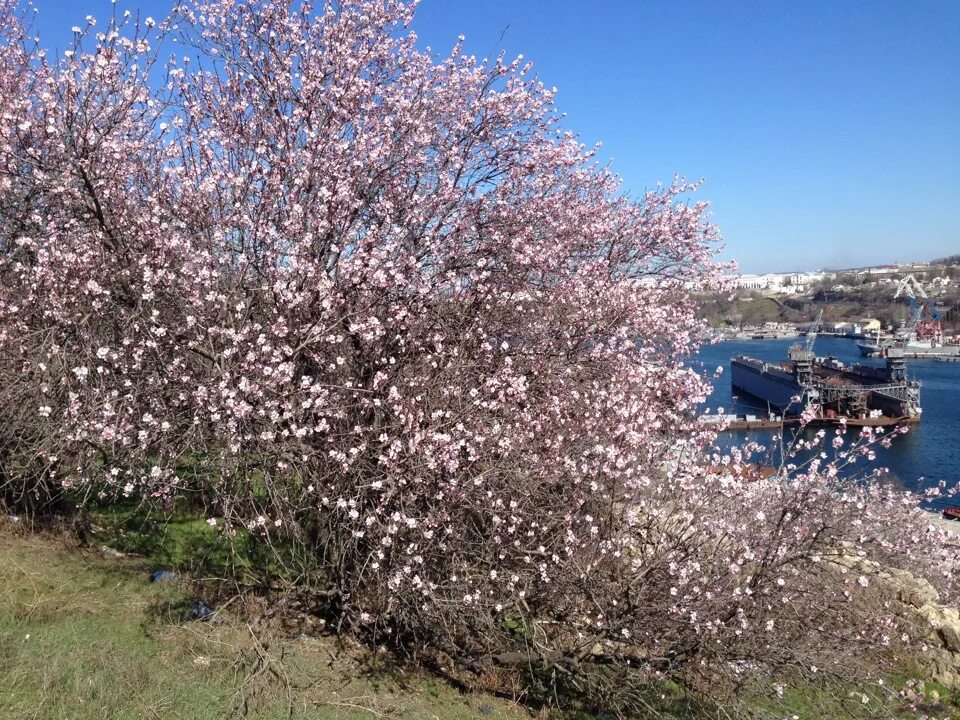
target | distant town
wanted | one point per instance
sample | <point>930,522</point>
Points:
<point>937,274</point>
<point>853,301</point>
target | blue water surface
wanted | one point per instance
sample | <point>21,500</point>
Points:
<point>927,454</point>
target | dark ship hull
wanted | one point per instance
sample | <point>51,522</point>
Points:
<point>829,390</point>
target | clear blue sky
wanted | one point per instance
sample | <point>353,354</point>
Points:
<point>828,132</point>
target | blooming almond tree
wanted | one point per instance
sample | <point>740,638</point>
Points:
<point>386,310</point>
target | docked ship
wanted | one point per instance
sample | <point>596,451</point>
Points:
<point>830,391</point>
<point>912,346</point>
<point>921,337</point>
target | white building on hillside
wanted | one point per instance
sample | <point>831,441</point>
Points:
<point>774,282</point>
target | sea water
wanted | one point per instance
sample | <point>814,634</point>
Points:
<point>927,454</point>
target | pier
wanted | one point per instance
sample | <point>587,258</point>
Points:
<point>747,423</point>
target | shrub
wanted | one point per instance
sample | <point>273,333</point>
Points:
<point>343,295</point>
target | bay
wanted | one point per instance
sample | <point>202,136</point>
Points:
<point>927,454</point>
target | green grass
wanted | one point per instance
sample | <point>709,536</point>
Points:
<point>757,311</point>
<point>930,700</point>
<point>177,539</point>
<point>83,636</point>
<point>180,539</point>
<point>86,637</point>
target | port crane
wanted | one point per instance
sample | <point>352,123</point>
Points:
<point>923,328</point>
<point>812,331</point>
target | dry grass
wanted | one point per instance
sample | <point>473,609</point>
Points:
<point>87,637</point>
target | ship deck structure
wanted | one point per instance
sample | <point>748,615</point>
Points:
<point>827,390</point>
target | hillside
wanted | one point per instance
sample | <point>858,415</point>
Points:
<point>87,636</point>
<point>846,296</point>
<point>84,635</point>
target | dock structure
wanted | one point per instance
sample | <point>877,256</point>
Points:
<point>748,422</point>
<point>828,391</point>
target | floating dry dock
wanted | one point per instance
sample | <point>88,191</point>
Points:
<point>827,389</point>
